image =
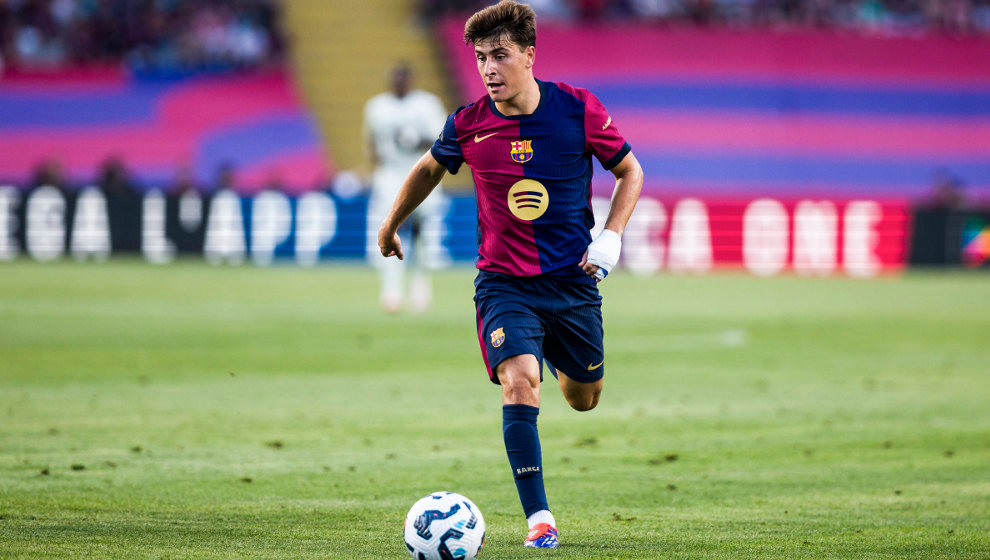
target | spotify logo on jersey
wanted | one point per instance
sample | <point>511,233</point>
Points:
<point>528,200</point>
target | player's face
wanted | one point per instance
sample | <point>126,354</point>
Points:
<point>505,68</point>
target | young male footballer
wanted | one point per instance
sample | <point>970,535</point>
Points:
<point>529,145</point>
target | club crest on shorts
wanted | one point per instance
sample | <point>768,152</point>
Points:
<point>522,150</point>
<point>498,337</point>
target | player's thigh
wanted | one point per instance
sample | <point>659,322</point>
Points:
<point>574,342</point>
<point>507,327</point>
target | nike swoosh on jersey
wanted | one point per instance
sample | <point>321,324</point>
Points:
<point>480,138</point>
<point>593,368</point>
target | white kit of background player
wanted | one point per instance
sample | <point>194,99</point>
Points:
<point>399,126</point>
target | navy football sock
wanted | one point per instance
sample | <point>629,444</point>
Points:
<point>522,445</point>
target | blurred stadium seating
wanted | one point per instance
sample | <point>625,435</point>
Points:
<point>145,35</point>
<point>727,112</point>
<point>888,17</point>
<point>809,108</point>
<point>252,121</point>
<point>166,88</point>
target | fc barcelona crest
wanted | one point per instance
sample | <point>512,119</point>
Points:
<point>498,337</point>
<point>522,151</point>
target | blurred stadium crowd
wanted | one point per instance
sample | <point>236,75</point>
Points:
<point>113,117</point>
<point>169,35</point>
<point>872,16</point>
<point>149,35</point>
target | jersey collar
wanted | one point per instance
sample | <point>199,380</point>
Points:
<point>543,100</point>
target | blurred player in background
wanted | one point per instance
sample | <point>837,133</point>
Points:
<point>529,144</point>
<point>398,125</point>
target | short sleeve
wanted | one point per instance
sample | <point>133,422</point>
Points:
<point>602,138</point>
<point>447,150</point>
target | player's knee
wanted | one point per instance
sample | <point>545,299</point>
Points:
<point>517,391</point>
<point>519,384</point>
<point>585,401</point>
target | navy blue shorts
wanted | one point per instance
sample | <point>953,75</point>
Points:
<point>557,321</point>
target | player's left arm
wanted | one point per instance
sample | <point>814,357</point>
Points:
<point>603,253</point>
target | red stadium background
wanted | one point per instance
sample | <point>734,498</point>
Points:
<point>798,150</point>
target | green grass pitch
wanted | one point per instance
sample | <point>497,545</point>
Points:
<point>198,412</point>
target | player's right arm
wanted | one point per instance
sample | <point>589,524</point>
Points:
<point>422,179</point>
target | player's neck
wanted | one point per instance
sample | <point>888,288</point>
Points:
<point>523,103</point>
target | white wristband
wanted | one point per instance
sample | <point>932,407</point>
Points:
<point>604,252</point>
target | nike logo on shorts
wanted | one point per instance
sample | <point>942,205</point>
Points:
<point>593,368</point>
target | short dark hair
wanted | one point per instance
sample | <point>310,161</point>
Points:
<point>507,19</point>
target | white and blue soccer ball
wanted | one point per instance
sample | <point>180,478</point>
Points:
<point>444,526</point>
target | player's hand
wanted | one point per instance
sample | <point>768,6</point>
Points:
<point>602,255</point>
<point>589,269</point>
<point>389,243</point>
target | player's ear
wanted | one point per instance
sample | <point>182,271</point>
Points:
<point>530,54</point>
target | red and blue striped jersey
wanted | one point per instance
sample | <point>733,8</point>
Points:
<point>532,174</point>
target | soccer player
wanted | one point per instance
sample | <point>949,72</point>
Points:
<point>529,145</point>
<point>399,125</point>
